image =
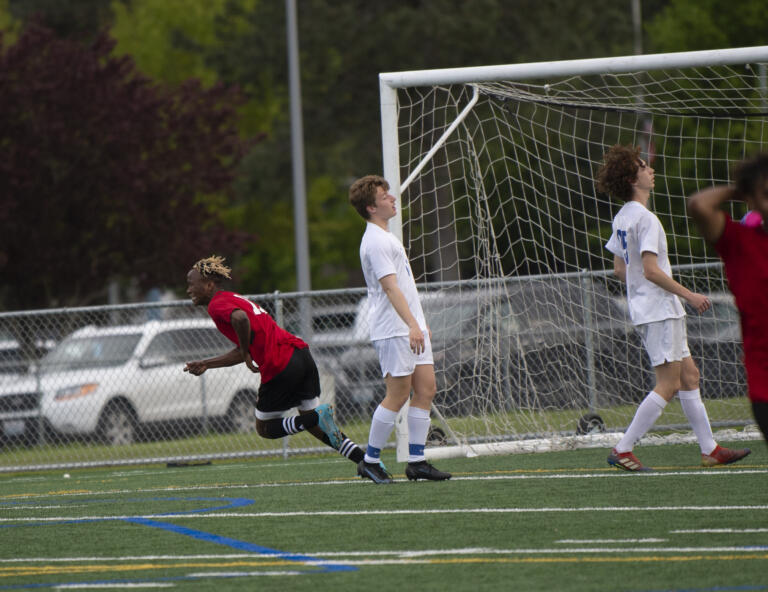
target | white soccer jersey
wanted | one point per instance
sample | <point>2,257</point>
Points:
<point>381,254</point>
<point>635,231</point>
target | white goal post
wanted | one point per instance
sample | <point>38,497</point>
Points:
<point>493,171</point>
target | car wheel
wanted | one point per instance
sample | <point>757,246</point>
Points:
<point>436,437</point>
<point>117,425</point>
<point>591,423</point>
<point>241,415</point>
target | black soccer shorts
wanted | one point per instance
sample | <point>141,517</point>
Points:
<point>297,382</point>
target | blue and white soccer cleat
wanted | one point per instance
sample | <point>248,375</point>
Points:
<point>375,472</point>
<point>326,423</point>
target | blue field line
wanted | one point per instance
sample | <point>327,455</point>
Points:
<point>319,565</point>
<point>240,545</point>
<point>232,502</point>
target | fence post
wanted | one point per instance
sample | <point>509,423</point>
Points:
<point>204,401</point>
<point>40,418</point>
<point>588,342</point>
<point>280,320</point>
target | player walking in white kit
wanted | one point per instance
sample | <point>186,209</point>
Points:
<point>639,246</point>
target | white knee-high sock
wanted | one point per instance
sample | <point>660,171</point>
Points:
<point>418,428</point>
<point>694,410</point>
<point>646,415</point>
<point>382,424</point>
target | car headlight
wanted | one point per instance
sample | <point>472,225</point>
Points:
<point>73,392</point>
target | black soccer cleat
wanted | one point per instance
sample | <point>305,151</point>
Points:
<point>424,470</point>
<point>373,471</point>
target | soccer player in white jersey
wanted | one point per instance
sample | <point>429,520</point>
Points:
<point>639,247</point>
<point>399,333</point>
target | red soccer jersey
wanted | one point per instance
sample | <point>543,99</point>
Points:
<point>744,252</point>
<point>272,346</point>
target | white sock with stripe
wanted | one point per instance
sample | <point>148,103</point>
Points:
<point>418,428</point>
<point>382,424</point>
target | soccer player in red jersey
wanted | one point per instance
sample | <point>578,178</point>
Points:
<point>289,376</point>
<point>744,251</point>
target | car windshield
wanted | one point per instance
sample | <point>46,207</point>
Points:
<point>91,352</point>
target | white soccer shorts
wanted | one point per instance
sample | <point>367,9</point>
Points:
<point>665,341</point>
<point>397,358</point>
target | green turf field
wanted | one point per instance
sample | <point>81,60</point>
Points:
<point>548,521</point>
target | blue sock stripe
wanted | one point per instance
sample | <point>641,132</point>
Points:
<point>373,452</point>
<point>416,449</point>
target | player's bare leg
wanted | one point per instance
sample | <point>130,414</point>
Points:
<point>424,389</point>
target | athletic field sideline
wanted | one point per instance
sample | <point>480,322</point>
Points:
<point>548,521</point>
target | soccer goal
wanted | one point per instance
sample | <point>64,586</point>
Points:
<point>493,168</point>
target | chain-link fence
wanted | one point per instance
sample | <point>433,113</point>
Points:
<point>105,385</point>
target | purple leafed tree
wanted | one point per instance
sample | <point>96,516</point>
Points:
<point>105,174</point>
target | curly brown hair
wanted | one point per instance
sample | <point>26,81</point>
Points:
<point>750,174</point>
<point>362,193</point>
<point>619,171</point>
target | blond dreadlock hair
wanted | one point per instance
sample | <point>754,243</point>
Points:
<point>213,268</point>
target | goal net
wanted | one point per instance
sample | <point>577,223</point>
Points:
<point>505,230</point>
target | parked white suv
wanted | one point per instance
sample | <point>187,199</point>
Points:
<point>115,382</point>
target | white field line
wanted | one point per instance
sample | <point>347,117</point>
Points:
<point>395,557</point>
<point>224,467</point>
<point>607,541</point>
<point>395,553</point>
<point>126,558</point>
<point>85,476</point>
<point>413,512</point>
<point>56,507</point>
<point>239,574</point>
<point>560,552</point>
<point>719,531</point>
<point>608,473</point>
<point>115,585</point>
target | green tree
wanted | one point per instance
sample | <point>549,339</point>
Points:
<point>344,46</point>
<point>690,25</point>
<point>126,184</point>
<point>150,31</point>
<point>75,19</point>
<point>9,26</point>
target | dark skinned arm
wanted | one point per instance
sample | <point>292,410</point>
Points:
<point>242,327</point>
